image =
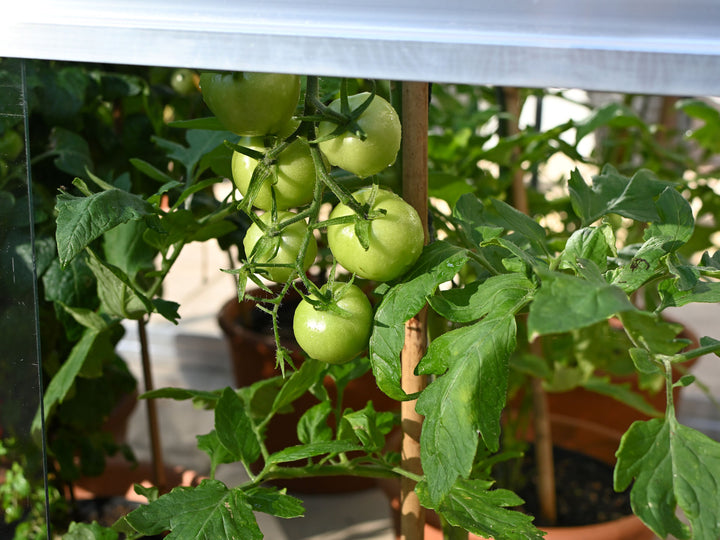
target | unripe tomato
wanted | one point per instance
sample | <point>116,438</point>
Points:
<point>336,334</point>
<point>184,81</point>
<point>364,158</point>
<point>295,177</point>
<point>251,103</point>
<point>284,248</point>
<point>11,144</point>
<point>396,239</point>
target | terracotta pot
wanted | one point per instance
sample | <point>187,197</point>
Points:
<point>571,433</point>
<point>253,356</point>
<point>120,477</point>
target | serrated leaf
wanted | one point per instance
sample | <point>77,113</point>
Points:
<point>87,317</point>
<point>89,531</point>
<point>234,427</point>
<point>81,220</point>
<point>367,425</point>
<point>703,291</point>
<point>118,296</point>
<point>595,244</point>
<point>645,264</point>
<point>275,502</point>
<point>580,301</point>
<point>478,298</point>
<point>472,506</point>
<point>306,451</point>
<point>438,263</point>
<point>675,218</point>
<point>649,331</point>
<point>671,465</point>
<point>124,248</point>
<point>512,219</point>
<point>612,193</point>
<point>206,512</point>
<point>313,424</point>
<point>465,401</point>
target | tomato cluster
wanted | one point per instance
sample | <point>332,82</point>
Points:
<point>282,170</point>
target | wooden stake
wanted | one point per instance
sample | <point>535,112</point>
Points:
<point>541,412</point>
<point>153,425</point>
<point>415,98</point>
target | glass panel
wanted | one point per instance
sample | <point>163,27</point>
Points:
<point>21,462</point>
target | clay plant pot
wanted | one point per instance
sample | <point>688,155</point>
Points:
<point>252,349</point>
<point>120,477</point>
<point>573,434</point>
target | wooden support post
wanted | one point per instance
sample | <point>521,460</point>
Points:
<point>158,465</point>
<point>415,98</point>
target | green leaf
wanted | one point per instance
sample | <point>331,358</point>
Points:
<point>63,380</point>
<point>438,263</point>
<point>649,331</point>
<point>595,244</point>
<point>672,465</point>
<point>182,394</point>
<point>313,424</point>
<point>482,511</point>
<point>125,248</point>
<point>73,152</point>
<point>89,531</point>
<point>707,135</point>
<point>645,264</point>
<point>306,451</point>
<point>81,220</point>
<point>474,224</point>
<point>274,502</point>
<point>676,222</point>
<point>153,172</point>
<point>512,219</point>
<point>234,427</point>
<point>87,317</point>
<point>211,445</point>
<point>464,401</point>
<point>369,426</point>
<point>672,296</point>
<point>565,302</point>
<point>118,296</point>
<point>298,383</point>
<point>200,142</point>
<point>604,116</point>
<point>206,512</point>
<point>479,298</point>
<point>612,193</point>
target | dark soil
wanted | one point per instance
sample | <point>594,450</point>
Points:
<point>584,487</point>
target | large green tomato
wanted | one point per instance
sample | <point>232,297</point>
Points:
<point>295,177</point>
<point>251,103</point>
<point>336,334</point>
<point>366,157</point>
<point>281,249</point>
<point>396,238</point>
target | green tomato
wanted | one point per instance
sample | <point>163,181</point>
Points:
<point>184,81</point>
<point>364,158</point>
<point>295,177</point>
<point>11,144</point>
<point>251,103</point>
<point>283,248</point>
<point>396,238</point>
<point>338,333</point>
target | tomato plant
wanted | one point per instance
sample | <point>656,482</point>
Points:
<point>337,332</point>
<point>251,103</point>
<point>395,237</point>
<point>292,177</point>
<point>11,144</point>
<point>363,157</point>
<point>278,249</point>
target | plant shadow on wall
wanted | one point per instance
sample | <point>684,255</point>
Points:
<point>512,283</point>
